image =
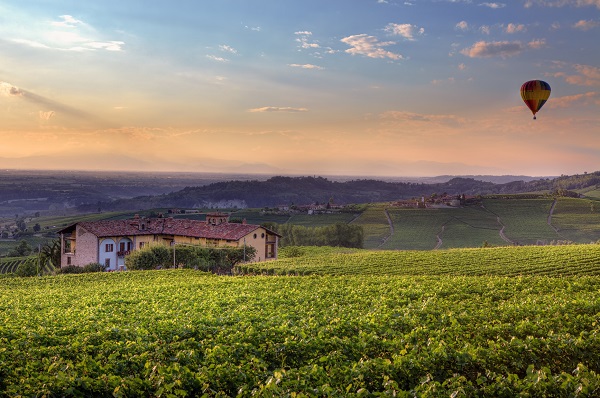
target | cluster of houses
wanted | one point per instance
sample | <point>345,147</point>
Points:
<point>109,242</point>
<point>436,201</point>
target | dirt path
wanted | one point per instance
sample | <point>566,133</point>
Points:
<point>504,238</point>
<point>391,228</point>
<point>439,240</point>
<point>550,216</point>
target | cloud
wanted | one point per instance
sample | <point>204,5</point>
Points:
<point>306,66</point>
<point>537,44</point>
<point>405,30</point>
<point>462,25</point>
<point>571,100</point>
<point>46,115</point>
<point>483,49</point>
<point>9,90</point>
<point>514,28</point>
<point>215,58</point>
<point>586,25</point>
<point>562,3</point>
<point>587,75</point>
<point>67,21</point>
<point>108,46</point>
<point>493,5</point>
<point>369,46</point>
<point>303,39</point>
<point>277,109</point>
<point>228,49</point>
<point>67,34</point>
<point>422,118</point>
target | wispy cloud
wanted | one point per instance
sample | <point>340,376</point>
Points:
<point>369,46</point>
<point>483,49</point>
<point>216,58</point>
<point>562,3</point>
<point>462,25</point>
<point>306,66</point>
<point>67,34</point>
<point>227,49</point>
<point>571,100</point>
<point>422,118</point>
<point>493,5</point>
<point>67,21</point>
<point>278,109</point>
<point>46,115</point>
<point>586,75</point>
<point>304,40</point>
<point>405,30</point>
<point>8,89</point>
<point>514,28</point>
<point>586,24</point>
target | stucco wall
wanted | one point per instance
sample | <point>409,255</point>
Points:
<point>86,249</point>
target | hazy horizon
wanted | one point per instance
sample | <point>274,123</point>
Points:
<point>370,88</point>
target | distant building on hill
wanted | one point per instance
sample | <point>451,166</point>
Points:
<point>108,242</point>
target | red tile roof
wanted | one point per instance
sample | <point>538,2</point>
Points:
<point>167,226</point>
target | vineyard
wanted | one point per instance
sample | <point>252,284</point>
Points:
<point>10,264</point>
<point>514,261</point>
<point>502,322</point>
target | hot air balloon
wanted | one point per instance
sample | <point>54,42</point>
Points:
<point>535,93</point>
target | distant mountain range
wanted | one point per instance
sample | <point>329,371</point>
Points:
<point>282,190</point>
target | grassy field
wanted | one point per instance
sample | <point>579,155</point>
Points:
<point>577,220</point>
<point>499,322</point>
<point>375,225</point>
<point>526,220</point>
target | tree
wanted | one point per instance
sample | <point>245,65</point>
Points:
<point>37,227</point>
<point>21,250</point>
<point>50,253</point>
<point>21,224</point>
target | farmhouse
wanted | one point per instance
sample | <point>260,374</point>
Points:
<point>108,242</point>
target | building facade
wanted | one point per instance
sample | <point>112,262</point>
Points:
<point>108,242</point>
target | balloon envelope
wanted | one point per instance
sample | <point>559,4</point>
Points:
<point>535,93</point>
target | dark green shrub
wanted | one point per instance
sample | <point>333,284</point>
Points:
<point>94,267</point>
<point>70,269</point>
<point>27,268</point>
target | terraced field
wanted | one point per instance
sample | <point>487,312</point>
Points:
<point>514,261</point>
<point>577,220</point>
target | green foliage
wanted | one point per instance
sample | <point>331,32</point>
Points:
<point>88,268</point>
<point>23,249</point>
<point>50,253</point>
<point>213,259</point>
<point>94,267</point>
<point>70,269</point>
<point>342,235</point>
<point>27,269</point>
<point>183,333</point>
<point>11,264</point>
<point>514,261</point>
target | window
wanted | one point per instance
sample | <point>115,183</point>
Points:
<point>262,235</point>
<point>142,244</point>
<point>68,260</point>
<point>109,248</point>
<point>254,236</point>
<point>107,263</point>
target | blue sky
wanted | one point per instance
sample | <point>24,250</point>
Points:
<point>369,87</point>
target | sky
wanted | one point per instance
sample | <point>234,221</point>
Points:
<point>311,87</point>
